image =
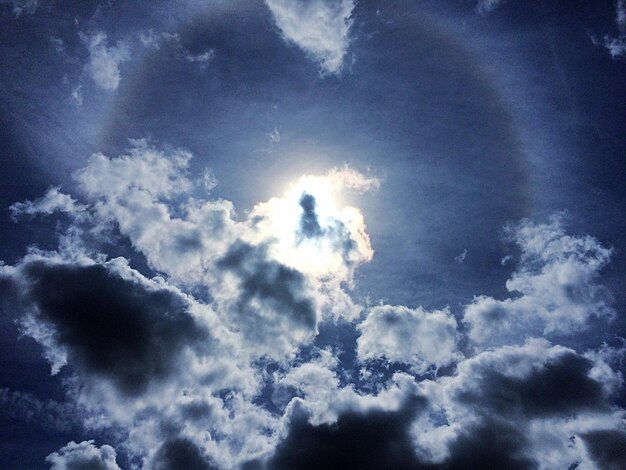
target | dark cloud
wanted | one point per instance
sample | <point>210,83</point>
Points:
<point>180,454</point>
<point>493,445</point>
<point>381,439</point>
<point>607,448</point>
<point>372,440</point>
<point>560,387</point>
<point>262,279</point>
<point>112,327</point>
<point>309,222</point>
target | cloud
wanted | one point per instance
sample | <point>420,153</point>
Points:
<point>271,307</point>
<point>53,201</point>
<point>128,331</point>
<point>607,448</point>
<point>83,456</point>
<point>484,7</point>
<point>212,356</point>
<point>320,28</point>
<point>617,45</point>
<point>557,283</point>
<point>409,336</point>
<point>104,61</point>
<point>180,453</point>
<point>530,399</point>
<point>49,415</point>
<point>203,59</point>
<point>364,440</point>
<point>20,7</point>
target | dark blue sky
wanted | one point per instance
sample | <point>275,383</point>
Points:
<point>479,121</point>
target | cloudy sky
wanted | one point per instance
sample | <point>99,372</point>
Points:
<point>312,234</point>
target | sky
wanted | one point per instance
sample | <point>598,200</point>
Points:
<point>312,234</point>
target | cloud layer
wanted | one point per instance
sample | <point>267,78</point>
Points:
<point>210,354</point>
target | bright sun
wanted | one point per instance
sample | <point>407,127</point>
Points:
<point>312,232</point>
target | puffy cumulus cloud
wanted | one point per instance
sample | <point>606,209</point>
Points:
<point>104,61</point>
<point>109,322</point>
<point>521,406</point>
<point>271,303</point>
<point>320,28</point>
<point>409,336</point>
<point>145,358</point>
<point>211,357</point>
<point>83,456</point>
<point>178,374</point>
<point>557,285</point>
<point>267,266</point>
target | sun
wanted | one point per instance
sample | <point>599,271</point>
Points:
<point>311,230</point>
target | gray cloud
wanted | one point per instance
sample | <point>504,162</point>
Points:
<point>128,332</point>
<point>83,456</point>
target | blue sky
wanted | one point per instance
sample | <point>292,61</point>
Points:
<point>235,231</point>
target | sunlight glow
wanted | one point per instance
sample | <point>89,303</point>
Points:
<point>339,242</point>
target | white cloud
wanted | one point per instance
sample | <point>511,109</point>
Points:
<point>104,61</point>
<point>319,27</point>
<point>83,455</point>
<point>409,336</point>
<point>557,283</point>
<point>53,201</point>
<point>239,296</point>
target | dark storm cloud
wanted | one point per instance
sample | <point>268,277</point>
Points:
<point>180,454</point>
<point>560,387</point>
<point>280,287</point>
<point>372,440</point>
<point>112,327</point>
<point>494,444</point>
<point>607,448</point>
<point>381,439</point>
